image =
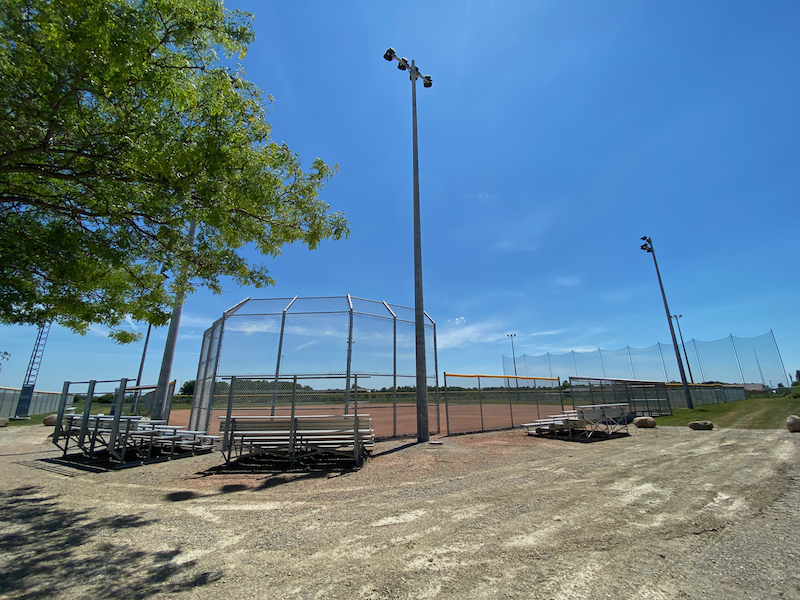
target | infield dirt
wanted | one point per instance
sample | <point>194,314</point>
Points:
<point>664,513</point>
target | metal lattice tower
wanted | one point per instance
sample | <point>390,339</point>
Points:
<point>26,394</point>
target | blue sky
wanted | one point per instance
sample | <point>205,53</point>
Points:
<point>555,135</point>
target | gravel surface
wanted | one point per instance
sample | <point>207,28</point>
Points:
<point>663,513</point>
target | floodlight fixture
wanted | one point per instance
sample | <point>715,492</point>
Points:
<point>389,55</point>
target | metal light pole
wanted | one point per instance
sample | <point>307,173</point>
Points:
<point>160,399</point>
<point>513,356</point>
<point>648,247</point>
<point>423,433</point>
<point>680,333</point>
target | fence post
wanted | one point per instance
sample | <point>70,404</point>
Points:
<point>226,436</point>
<point>480,401</point>
<point>446,405</point>
<point>349,357</point>
<point>293,422</point>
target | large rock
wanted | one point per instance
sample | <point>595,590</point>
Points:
<point>50,420</point>
<point>793,424</point>
<point>702,425</point>
<point>3,422</point>
<point>644,422</point>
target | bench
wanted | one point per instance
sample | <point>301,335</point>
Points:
<point>584,422</point>
<point>299,437</point>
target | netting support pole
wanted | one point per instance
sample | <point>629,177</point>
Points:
<point>549,366</point>
<point>630,360</point>
<point>783,368</point>
<point>736,354</point>
<point>697,355</point>
<point>602,366</point>
<point>394,375</point>
<point>664,364</point>
<point>760,372</point>
<point>574,363</point>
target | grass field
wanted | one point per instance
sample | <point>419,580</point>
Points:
<point>766,411</point>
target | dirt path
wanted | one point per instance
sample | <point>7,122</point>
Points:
<point>664,513</point>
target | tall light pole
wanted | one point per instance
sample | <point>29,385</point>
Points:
<point>680,333</point>
<point>423,433</point>
<point>648,247</point>
<point>513,356</point>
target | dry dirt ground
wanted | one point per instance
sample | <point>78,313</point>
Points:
<point>664,513</point>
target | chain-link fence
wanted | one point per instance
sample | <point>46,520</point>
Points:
<point>327,353</point>
<point>41,402</point>
<point>475,403</point>
<point>730,360</point>
<point>653,398</point>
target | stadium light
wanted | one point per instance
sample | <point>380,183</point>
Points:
<point>513,357</point>
<point>423,433</point>
<point>680,333</point>
<point>648,247</point>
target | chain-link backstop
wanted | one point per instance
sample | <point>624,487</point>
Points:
<point>319,354</point>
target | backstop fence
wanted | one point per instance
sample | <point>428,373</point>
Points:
<point>730,360</point>
<point>475,403</point>
<point>319,354</point>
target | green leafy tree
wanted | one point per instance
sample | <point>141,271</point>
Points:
<point>119,127</point>
<point>187,388</point>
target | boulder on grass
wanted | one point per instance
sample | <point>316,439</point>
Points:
<point>793,424</point>
<point>50,420</point>
<point>701,425</point>
<point>3,422</point>
<point>644,422</point>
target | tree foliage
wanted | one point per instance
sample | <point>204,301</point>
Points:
<point>119,126</point>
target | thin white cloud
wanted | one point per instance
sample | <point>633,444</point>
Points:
<point>467,334</point>
<point>569,281</point>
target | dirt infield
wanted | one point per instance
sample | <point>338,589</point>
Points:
<point>665,513</point>
<point>460,418</point>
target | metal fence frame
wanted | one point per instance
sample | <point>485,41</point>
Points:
<point>506,393</point>
<point>214,347</point>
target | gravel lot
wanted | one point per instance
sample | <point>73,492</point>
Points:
<point>664,513</point>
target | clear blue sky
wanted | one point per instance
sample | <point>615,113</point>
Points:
<point>555,135</point>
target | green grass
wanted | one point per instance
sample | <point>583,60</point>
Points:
<point>766,411</point>
<point>34,420</point>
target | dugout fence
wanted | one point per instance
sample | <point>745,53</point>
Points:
<point>475,403</point>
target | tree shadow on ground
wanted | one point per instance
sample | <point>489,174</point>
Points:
<point>48,551</point>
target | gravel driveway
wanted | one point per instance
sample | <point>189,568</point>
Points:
<point>664,513</point>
